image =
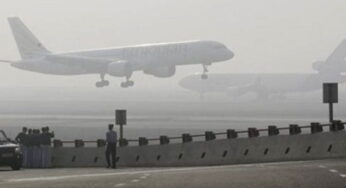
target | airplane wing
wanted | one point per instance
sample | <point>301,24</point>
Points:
<point>89,63</point>
<point>7,61</point>
<point>77,60</point>
<point>338,54</point>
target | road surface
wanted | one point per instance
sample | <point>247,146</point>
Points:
<point>322,173</point>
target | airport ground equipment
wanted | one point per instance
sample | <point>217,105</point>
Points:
<point>10,153</point>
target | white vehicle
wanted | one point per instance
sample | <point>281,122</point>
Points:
<point>273,85</point>
<point>158,59</point>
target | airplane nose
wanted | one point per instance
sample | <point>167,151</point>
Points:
<point>229,54</point>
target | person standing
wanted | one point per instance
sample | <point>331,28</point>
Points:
<point>37,139</point>
<point>21,136</point>
<point>30,145</point>
<point>22,140</point>
<point>111,139</point>
<point>46,147</point>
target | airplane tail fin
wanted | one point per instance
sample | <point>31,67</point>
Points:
<point>28,45</point>
<point>335,63</point>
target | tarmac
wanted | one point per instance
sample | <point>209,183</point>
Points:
<point>305,174</point>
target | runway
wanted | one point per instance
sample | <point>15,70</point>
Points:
<point>322,173</point>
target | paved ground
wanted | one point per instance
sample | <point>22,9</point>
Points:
<point>324,173</point>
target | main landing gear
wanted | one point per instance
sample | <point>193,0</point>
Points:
<point>103,82</point>
<point>127,83</point>
<point>204,75</point>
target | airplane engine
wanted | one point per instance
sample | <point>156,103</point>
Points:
<point>162,72</point>
<point>119,69</point>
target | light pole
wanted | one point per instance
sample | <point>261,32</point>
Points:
<point>120,119</point>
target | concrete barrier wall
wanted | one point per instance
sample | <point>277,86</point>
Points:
<point>215,152</point>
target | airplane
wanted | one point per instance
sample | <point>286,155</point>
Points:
<point>158,59</point>
<point>275,85</point>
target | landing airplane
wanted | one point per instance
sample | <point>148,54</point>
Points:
<point>274,85</point>
<point>159,59</point>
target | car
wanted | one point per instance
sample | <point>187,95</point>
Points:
<point>10,153</point>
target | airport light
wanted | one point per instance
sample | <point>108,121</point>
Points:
<point>330,96</point>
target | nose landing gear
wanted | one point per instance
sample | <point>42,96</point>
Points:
<point>204,75</point>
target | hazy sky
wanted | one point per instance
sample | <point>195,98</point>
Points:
<point>266,36</point>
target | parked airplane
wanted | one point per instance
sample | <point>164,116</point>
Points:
<point>273,85</point>
<point>158,59</point>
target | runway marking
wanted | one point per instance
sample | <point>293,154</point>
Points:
<point>333,171</point>
<point>135,180</point>
<point>145,172</point>
<point>120,185</point>
<point>343,175</point>
<point>52,178</point>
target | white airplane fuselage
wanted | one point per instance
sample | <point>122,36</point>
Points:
<point>141,57</point>
<point>266,83</point>
<point>159,59</point>
<point>270,84</point>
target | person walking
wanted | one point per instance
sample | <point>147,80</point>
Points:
<point>111,139</point>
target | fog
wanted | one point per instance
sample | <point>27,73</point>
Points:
<point>266,37</point>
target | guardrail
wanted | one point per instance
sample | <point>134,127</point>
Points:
<point>252,132</point>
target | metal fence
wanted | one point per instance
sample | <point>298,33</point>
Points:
<point>252,132</point>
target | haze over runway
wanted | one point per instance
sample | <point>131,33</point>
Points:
<point>282,37</point>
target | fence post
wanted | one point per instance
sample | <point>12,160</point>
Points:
<point>123,142</point>
<point>186,138</point>
<point>336,125</point>
<point>142,141</point>
<point>231,134</point>
<point>273,130</point>
<point>57,143</point>
<point>253,132</point>
<point>316,127</point>
<point>164,140</point>
<point>79,143</point>
<point>295,129</point>
<point>209,135</point>
<point>101,143</point>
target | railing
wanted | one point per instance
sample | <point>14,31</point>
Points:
<point>272,130</point>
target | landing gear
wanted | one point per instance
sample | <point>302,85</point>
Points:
<point>204,75</point>
<point>103,82</point>
<point>127,83</point>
